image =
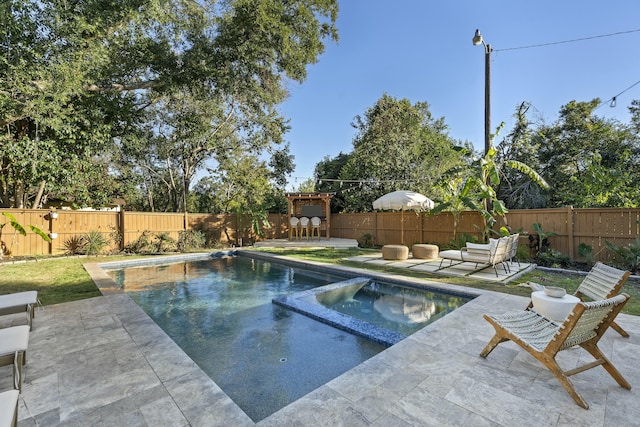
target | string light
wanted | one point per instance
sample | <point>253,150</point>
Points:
<point>614,99</point>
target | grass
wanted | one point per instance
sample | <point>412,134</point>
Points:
<point>65,279</point>
<point>57,280</point>
<point>569,281</point>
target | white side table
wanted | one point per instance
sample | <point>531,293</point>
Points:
<point>553,308</point>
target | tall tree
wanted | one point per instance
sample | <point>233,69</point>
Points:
<point>82,73</point>
<point>399,145</point>
<point>587,160</point>
<point>516,189</point>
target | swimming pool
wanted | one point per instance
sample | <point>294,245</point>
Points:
<point>219,312</point>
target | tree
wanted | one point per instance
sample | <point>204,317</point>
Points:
<point>326,174</point>
<point>587,160</point>
<point>474,187</point>
<point>84,73</point>
<point>399,145</point>
<point>517,190</point>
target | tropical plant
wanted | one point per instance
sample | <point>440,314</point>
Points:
<point>95,242</point>
<point>540,242</point>
<point>626,257</point>
<point>476,190</point>
<point>75,245</point>
<point>164,242</point>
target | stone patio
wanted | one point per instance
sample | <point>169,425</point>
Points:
<point>103,361</point>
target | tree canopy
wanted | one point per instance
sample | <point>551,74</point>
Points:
<point>398,145</point>
<point>81,80</point>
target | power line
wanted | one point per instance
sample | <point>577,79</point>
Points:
<point>567,41</point>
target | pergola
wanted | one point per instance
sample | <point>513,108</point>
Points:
<point>310,205</point>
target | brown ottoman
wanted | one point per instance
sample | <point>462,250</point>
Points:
<point>425,251</point>
<point>395,252</point>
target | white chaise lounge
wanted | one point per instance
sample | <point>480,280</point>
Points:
<point>13,348</point>
<point>492,253</point>
<point>19,302</point>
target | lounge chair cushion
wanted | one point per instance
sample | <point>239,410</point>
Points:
<point>19,302</point>
<point>8,408</point>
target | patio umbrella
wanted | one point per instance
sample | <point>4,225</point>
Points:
<point>403,200</point>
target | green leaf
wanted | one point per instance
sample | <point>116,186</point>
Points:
<point>40,233</point>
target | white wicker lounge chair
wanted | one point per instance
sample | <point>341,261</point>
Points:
<point>490,254</point>
<point>602,282</point>
<point>19,302</point>
<point>544,338</point>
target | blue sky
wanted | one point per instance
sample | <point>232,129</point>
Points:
<point>422,50</point>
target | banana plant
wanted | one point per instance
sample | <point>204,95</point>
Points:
<point>18,228</point>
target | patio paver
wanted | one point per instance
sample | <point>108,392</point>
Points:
<point>102,361</point>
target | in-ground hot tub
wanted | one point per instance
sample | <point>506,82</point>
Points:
<point>383,312</point>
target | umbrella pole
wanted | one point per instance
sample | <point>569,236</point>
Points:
<point>402,226</point>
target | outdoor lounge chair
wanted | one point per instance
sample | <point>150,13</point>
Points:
<point>9,408</point>
<point>602,282</point>
<point>512,250</point>
<point>13,348</point>
<point>19,302</point>
<point>490,254</point>
<point>544,338</point>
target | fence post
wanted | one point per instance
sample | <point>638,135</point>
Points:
<point>121,229</point>
<point>570,230</point>
<point>50,232</point>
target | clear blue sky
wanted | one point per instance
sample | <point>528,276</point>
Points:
<point>422,50</point>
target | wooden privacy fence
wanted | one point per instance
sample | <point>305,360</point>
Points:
<point>572,227</point>
<point>123,228</point>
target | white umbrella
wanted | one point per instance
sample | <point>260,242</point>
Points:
<point>403,200</point>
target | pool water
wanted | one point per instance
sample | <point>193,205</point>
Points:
<point>219,311</point>
<point>396,308</point>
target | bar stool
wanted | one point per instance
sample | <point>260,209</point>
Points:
<point>293,227</point>
<point>315,224</point>
<point>304,227</point>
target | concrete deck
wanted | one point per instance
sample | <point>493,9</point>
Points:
<point>102,361</point>
<point>333,242</point>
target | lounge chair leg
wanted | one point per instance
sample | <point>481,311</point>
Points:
<point>619,329</point>
<point>606,364</point>
<point>552,365</point>
<point>497,339</point>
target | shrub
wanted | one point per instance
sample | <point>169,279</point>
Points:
<point>95,242</point>
<point>75,245</point>
<point>366,241</point>
<point>626,257</point>
<point>191,239</point>
<point>553,258</point>
<point>141,245</point>
<point>164,242</point>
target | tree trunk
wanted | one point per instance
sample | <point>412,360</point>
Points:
<point>37,201</point>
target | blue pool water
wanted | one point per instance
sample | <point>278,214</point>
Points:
<point>219,311</point>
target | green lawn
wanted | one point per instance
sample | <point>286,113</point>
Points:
<point>64,279</point>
